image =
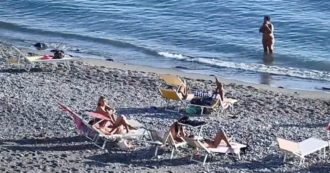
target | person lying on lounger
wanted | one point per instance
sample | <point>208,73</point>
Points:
<point>220,136</point>
<point>116,123</point>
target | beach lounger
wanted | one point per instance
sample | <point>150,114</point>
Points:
<point>39,59</point>
<point>133,123</point>
<point>301,149</point>
<point>221,148</point>
<point>133,134</point>
<point>160,139</point>
<point>217,105</point>
<point>140,132</point>
<point>172,80</point>
<point>171,95</point>
<point>83,128</point>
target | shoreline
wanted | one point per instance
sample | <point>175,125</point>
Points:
<point>322,95</point>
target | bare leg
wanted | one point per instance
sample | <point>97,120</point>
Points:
<point>121,121</point>
<point>264,46</point>
<point>217,140</point>
<point>183,90</point>
<point>271,48</point>
<point>270,44</point>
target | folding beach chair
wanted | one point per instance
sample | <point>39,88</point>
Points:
<point>82,125</point>
<point>217,105</point>
<point>172,80</point>
<point>131,122</point>
<point>160,139</point>
<point>139,133</point>
<point>221,148</point>
<point>214,106</point>
<point>39,59</point>
<point>83,128</point>
<point>303,148</point>
<point>171,95</point>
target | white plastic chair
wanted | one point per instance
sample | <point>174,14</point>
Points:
<point>303,148</point>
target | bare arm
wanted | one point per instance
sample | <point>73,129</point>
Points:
<point>268,28</point>
<point>106,113</point>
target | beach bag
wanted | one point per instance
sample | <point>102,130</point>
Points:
<point>196,101</point>
<point>193,110</point>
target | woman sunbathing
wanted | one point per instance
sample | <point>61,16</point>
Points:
<point>217,140</point>
<point>115,123</point>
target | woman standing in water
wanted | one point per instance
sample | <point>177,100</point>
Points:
<point>268,39</point>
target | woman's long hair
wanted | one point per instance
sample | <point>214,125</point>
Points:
<point>99,101</point>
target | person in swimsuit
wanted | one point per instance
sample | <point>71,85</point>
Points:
<point>268,39</point>
<point>116,124</point>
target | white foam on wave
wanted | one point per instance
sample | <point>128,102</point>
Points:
<point>261,68</point>
<point>277,70</point>
<point>173,55</point>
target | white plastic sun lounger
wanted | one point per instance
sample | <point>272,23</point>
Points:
<point>38,59</point>
<point>160,139</point>
<point>221,148</point>
<point>303,148</point>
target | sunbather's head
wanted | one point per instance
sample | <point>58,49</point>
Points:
<point>102,101</point>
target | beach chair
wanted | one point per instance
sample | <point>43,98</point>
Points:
<point>140,132</point>
<point>13,56</point>
<point>172,80</point>
<point>217,105</point>
<point>301,149</point>
<point>83,128</point>
<point>133,134</point>
<point>39,59</point>
<point>171,95</point>
<point>160,139</point>
<point>214,106</point>
<point>199,148</point>
<point>133,123</point>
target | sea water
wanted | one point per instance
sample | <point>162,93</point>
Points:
<point>211,37</point>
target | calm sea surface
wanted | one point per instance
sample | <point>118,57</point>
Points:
<point>200,36</point>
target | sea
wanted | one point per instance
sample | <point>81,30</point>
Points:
<point>218,37</point>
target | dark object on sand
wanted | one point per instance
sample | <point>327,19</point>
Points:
<point>40,46</point>
<point>109,59</point>
<point>58,54</point>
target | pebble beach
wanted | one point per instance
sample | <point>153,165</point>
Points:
<point>36,136</point>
